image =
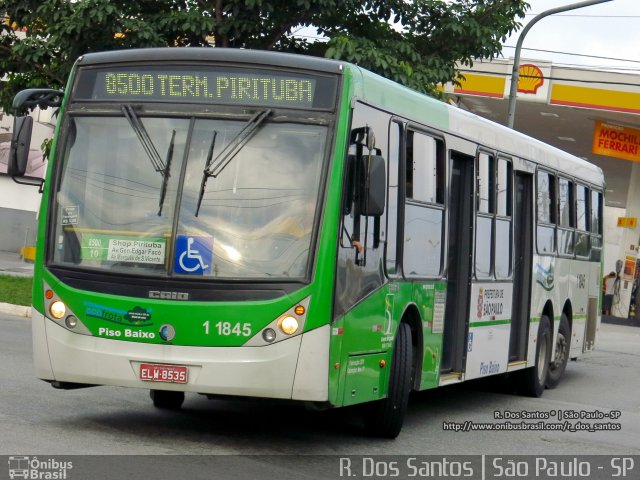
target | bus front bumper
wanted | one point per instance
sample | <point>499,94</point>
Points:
<point>295,369</point>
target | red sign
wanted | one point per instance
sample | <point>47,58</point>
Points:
<point>616,141</point>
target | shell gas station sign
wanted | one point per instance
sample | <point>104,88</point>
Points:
<point>541,82</point>
<point>492,81</point>
<point>530,78</point>
<point>616,141</point>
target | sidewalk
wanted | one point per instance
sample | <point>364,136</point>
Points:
<point>12,264</point>
<point>629,322</point>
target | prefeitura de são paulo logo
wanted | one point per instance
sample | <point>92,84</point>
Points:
<point>38,469</point>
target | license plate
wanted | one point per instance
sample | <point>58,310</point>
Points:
<point>163,373</point>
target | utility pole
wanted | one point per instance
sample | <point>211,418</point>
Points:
<point>515,74</point>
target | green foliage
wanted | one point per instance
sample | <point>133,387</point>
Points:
<point>15,290</point>
<point>417,43</point>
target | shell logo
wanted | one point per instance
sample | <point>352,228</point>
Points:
<point>530,79</point>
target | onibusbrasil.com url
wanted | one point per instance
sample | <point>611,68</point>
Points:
<point>469,426</point>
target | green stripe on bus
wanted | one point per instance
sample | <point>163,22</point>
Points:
<point>489,323</point>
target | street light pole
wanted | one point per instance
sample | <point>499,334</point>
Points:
<point>515,74</point>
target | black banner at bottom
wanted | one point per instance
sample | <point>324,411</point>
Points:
<point>302,467</point>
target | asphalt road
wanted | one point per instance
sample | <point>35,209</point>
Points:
<point>36,419</point>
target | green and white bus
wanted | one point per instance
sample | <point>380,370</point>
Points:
<point>256,224</point>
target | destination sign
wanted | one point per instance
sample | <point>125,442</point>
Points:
<point>207,85</point>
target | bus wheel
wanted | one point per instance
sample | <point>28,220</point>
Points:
<point>559,362</point>
<point>166,399</point>
<point>533,379</point>
<point>384,418</point>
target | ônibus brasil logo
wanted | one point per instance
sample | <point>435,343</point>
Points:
<point>36,469</point>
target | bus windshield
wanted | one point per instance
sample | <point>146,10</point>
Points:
<point>119,210</point>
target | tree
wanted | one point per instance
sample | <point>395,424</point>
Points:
<point>417,43</point>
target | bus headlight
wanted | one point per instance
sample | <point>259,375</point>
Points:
<point>57,309</point>
<point>285,326</point>
<point>288,324</point>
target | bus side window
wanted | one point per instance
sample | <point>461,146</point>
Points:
<point>365,192</point>
<point>494,186</point>
<point>546,212</point>
<point>485,208</point>
<point>424,168</point>
<point>504,208</point>
<point>566,217</point>
<point>582,221</point>
<point>362,238</point>
<point>395,144</point>
<point>596,225</point>
<point>424,205</point>
<point>363,224</point>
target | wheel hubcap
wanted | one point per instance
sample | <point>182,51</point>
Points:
<point>561,349</point>
<point>541,362</point>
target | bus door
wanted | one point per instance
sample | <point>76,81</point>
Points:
<point>458,264</point>
<point>491,293</point>
<point>523,255</point>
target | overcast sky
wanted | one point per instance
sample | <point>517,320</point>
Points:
<point>611,29</point>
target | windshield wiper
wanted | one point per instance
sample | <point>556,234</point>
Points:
<point>167,172</point>
<point>143,136</point>
<point>214,167</point>
<point>164,168</point>
<point>203,183</point>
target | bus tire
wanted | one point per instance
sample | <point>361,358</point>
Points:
<point>559,362</point>
<point>384,418</point>
<point>533,379</point>
<point>166,399</point>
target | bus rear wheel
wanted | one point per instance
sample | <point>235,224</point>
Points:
<point>384,418</point>
<point>533,379</point>
<point>561,357</point>
<point>167,399</point>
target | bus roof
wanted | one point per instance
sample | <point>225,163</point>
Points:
<point>382,92</point>
<point>203,54</point>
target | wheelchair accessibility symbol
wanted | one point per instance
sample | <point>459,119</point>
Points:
<point>193,255</point>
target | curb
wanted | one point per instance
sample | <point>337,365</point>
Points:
<point>17,310</point>
<point>627,322</point>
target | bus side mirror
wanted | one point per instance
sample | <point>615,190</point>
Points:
<point>20,143</point>
<point>372,198</point>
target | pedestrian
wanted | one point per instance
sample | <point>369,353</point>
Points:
<point>609,287</point>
